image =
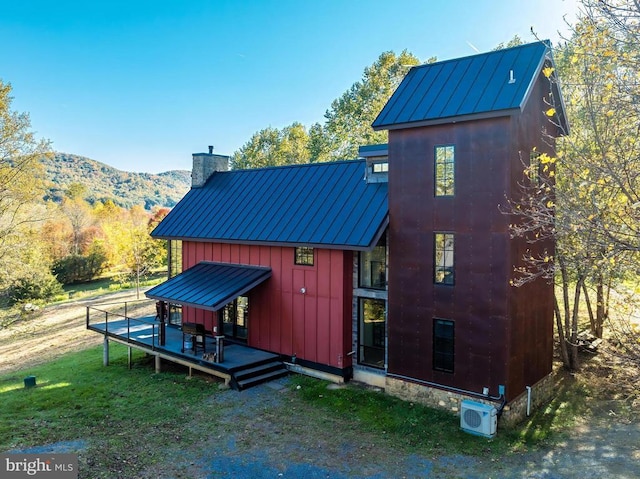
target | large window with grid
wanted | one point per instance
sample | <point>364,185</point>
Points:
<point>444,170</point>
<point>443,258</point>
<point>443,345</point>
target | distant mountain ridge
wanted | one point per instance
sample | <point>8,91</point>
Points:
<point>103,182</point>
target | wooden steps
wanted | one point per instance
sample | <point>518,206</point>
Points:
<point>257,373</point>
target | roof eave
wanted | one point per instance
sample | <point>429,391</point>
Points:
<point>450,119</point>
<point>345,247</point>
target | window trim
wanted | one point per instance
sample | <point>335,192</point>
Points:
<point>302,255</point>
<point>361,346</point>
<point>382,244</point>
<point>533,170</point>
<point>450,351</point>
<point>442,265</point>
<point>448,165</point>
<point>174,257</point>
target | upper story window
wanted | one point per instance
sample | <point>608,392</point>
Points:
<point>380,167</point>
<point>304,256</point>
<point>444,170</point>
<point>533,171</point>
<point>372,268</point>
<point>443,258</point>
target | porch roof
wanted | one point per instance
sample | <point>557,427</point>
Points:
<point>209,285</point>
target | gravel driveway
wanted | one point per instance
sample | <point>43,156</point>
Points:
<point>262,436</point>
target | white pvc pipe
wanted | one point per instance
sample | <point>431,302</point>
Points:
<point>528,400</point>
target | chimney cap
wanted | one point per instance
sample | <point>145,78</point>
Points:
<point>211,149</point>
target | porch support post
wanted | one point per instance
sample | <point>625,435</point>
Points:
<point>158,367</point>
<point>105,351</point>
<point>129,356</point>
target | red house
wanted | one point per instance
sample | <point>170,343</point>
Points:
<point>393,269</point>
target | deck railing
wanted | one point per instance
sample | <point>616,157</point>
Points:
<point>109,313</point>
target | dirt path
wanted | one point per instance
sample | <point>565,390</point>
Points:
<point>261,437</point>
<point>52,331</point>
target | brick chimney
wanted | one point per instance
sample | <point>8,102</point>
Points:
<point>205,164</point>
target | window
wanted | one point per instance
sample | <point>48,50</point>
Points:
<point>372,337</point>
<point>304,256</point>
<point>175,258</point>
<point>235,317</point>
<point>443,272</point>
<point>443,345</point>
<point>444,171</point>
<point>533,171</point>
<point>372,270</point>
<point>380,167</point>
<point>175,314</point>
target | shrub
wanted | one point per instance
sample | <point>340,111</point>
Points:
<point>33,286</point>
<point>77,268</point>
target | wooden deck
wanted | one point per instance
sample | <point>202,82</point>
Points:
<point>242,366</point>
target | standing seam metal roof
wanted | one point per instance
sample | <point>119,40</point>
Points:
<point>209,285</point>
<point>321,204</point>
<point>473,85</point>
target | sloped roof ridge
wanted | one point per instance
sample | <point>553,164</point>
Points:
<point>294,165</point>
<point>547,43</point>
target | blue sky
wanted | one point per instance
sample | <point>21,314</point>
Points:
<point>140,85</point>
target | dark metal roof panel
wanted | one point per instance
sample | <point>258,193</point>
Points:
<point>327,204</point>
<point>464,86</point>
<point>210,285</point>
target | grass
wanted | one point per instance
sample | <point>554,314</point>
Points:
<point>131,420</point>
<point>108,284</point>
<point>125,415</point>
<point>434,431</point>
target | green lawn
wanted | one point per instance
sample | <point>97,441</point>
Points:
<point>109,284</point>
<point>78,398</point>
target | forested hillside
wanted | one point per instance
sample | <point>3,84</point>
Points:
<point>104,182</point>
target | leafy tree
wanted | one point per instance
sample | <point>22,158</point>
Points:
<point>514,42</point>
<point>594,213</point>
<point>80,268</point>
<point>78,211</point>
<point>20,176</point>
<point>273,147</point>
<point>347,126</point>
<point>348,121</point>
<point>137,251</point>
<point>34,285</point>
<point>76,190</point>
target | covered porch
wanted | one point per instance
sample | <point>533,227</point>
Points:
<point>238,365</point>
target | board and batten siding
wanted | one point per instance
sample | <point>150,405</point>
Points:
<point>314,326</point>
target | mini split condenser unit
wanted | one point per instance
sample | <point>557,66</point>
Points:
<point>477,418</point>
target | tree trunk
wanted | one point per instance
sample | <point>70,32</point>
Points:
<point>573,339</point>
<point>137,281</point>
<point>600,306</point>
<point>563,320</point>
<point>592,319</point>
<point>564,353</point>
